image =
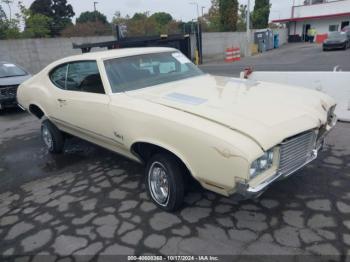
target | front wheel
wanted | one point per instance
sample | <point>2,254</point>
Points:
<point>164,181</point>
<point>52,137</point>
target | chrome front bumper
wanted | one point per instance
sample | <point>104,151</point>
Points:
<point>245,191</point>
<point>280,176</point>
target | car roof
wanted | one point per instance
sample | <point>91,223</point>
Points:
<point>115,53</point>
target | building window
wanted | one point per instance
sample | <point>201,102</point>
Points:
<point>314,2</point>
<point>333,28</point>
<point>344,24</point>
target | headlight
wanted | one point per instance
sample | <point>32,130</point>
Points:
<point>262,164</point>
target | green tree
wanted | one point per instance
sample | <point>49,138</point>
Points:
<point>261,13</point>
<point>59,11</point>
<point>37,26</point>
<point>92,17</point>
<point>12,29</point>
<point>163,22</point>
<point>228,10</point>
<point>118,19</point>
<point>141,24</point>
<point>2,14</point>
<point>162,18</point>
<point>63,12</point>
<point>9,6</point>
<point>9,28</point>
<point>42,7</point>
<point>140,16</point>
<point>87,29</point>
<point>3,20</point>
<point>213,17</point>
<point>242,18</point>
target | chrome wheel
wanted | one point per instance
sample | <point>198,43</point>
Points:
<point>158,183</point>
<point>47,137</point>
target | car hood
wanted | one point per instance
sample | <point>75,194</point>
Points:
<point>266,112</point>
<point>11,81</point>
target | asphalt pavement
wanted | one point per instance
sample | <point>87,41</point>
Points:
<point>291,57</point>
<point>91,201</point>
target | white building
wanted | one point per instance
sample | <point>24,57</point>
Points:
<point>323,15</point>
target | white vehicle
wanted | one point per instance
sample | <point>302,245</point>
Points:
<point>154,106</point>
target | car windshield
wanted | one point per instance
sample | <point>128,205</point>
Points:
<point>10,70</point>
<point>336,36</point>
<point>136,72</point>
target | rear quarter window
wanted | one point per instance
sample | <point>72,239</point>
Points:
<point>58,76</point>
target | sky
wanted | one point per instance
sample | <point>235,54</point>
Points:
<point>179,9</point>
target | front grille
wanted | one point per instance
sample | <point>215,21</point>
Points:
<point>296,151</point>
<point>8,91</point>
<point>334,46</point>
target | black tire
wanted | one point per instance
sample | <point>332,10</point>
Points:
<point>57,138</point>
<point>174,174</point>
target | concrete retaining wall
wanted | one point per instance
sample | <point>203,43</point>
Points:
<point>215,44</point>
<point>35,54</point>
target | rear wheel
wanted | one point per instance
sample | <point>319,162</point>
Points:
<point>165,182</point>
<point>52,137</point>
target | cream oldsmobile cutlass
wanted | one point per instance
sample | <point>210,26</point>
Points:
<point>154,106</point>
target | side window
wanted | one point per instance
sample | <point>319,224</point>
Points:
<point>58,76</point>
<point>165,68</point>
<point>84,77</point>
<point>161,66</point>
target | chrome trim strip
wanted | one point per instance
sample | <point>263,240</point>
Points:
<point>88,132</point>
<point>21,107</point>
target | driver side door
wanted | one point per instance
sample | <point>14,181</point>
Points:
<point>82,104</point>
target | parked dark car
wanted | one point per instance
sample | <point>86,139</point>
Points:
<point>336,40</point>
<point>346,30</point>
<point>11,76</point>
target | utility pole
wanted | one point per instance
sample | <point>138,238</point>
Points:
<point>203,7</point>
<point>95,3</point>
<point>248,22</point>
<point>293,8</point>
<point>95,10</point>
